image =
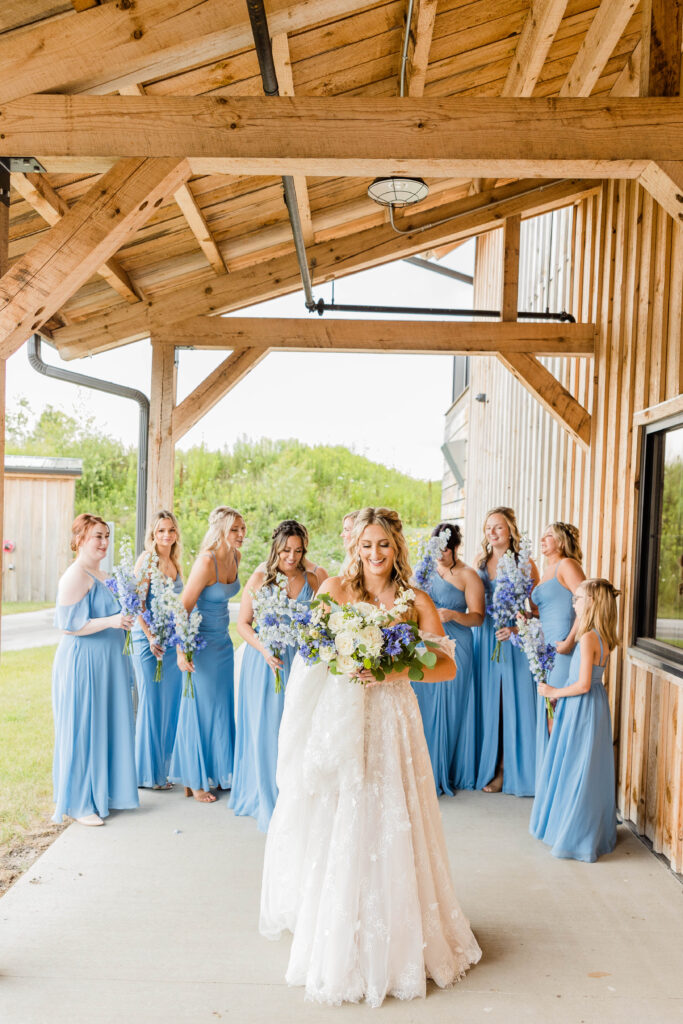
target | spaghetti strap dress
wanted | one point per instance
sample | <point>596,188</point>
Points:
<point>506,684</point>
<point>574,811</point>
<point>556,611</point>
<point>205,738</point>
<point>158,706</point>
<point>259,711</point>
<point>92,680</point>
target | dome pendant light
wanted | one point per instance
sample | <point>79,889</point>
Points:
<point>396,191</point>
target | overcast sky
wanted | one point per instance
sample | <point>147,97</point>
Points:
<point>388,407</point>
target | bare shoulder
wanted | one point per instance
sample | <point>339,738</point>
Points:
<point>335,587</point>
<point>74,585</point>
<point>255,581</point>
<point>589,645</point>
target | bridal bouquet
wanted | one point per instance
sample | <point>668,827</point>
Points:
<point>513,586</point>
<point>541,655</point>
<point>277,618</point>
<point>353,637</point>
<point>126,587</point>
<point>429,553</point>
<point>161,608</point>
<point>186,636</point>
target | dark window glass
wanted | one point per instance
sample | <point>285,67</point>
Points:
<point>461,375</point>
<point>669,609</point>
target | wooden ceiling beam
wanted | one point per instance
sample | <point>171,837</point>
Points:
<point>39,193</point>
<point>330,260</point>
<point>340,136</point>
<point>628,81</point>
<point>115,44</point>
<point>552,395</point>
<point>611,18</point>
<point>69,253</point>
<point>214,387</point>
<point>285,81</point>
<point>420,42</point>
<point>662,39</point>
<point>196,221</point>
<point>540,28</point>
<point>446,337</point>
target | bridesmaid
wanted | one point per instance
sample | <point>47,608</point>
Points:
<point>158,702</point>
<point>574,811</point>
<point>259,711</point>
<point>448,708</point>
<point>553,598</point>
<point>94,757</point>
<point>205,739</point>
<point>347,529</point>
<point>506,712</point>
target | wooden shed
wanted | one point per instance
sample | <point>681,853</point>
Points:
<point>38,512</point>
<point>160,205</point>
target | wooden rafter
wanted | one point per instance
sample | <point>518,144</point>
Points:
<point>552,395</point>
<point>510,296</point>
<point>540,27</point>
<point>338,136</point>
<point>628,81</point>
<point>662,39</point>
<point>39,193</point>
<point>421,32</point>
<point>192,213</point>
<point>330,260</point>
<point>283,71</point>
<point>69,253</point>
<point>457,337</point>
<point>607,27</point>
<point>214,387</point>
<point>112,45</point>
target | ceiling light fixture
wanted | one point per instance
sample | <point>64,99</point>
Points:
<point>398,191</point>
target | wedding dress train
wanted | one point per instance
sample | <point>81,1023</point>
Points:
<point>356,865</point>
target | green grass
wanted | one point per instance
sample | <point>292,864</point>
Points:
<point>16,607</point>
<point>26,736</point>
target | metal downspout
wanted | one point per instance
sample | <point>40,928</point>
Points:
<point>264,52</point>
<point>56,372</point>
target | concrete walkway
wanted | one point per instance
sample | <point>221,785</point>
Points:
<point>29,629</point>
<point>153,918</point>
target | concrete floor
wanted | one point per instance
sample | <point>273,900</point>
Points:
<point>29,629</point>
<point>153,918</point>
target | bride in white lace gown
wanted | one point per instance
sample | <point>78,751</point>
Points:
<point>356,865</point>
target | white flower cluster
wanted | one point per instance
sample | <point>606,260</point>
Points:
<point>162,606</point>
<point>276,619</point>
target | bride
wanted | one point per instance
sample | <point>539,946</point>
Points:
<point>356,864</point>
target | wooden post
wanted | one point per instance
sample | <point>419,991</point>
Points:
<point>4,242</point>
<point>510,296</point>
<point>161,464</point>
<point>660,64</point>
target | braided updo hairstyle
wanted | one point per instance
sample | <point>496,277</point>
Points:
<point>221,520</point>
<point>352,574</point>
<point>567,538</point>
<point>281,534</point>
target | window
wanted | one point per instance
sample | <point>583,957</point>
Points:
<point>461,375</point>
<point>658,603</point>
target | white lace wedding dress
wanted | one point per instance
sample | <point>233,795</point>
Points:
<point>356,864</point>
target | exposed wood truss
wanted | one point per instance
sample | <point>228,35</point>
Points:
<point>214,387</point>
<point>199,228</point>
<point>421,32</point>
<point>161,440</point>
<point>540,28</point>
<point>552,395</point>
<point>607,26</point>
<point>283,71</point>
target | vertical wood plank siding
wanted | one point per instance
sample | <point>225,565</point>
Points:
<point>615,258</point>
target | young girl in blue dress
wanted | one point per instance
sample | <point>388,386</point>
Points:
<point>259,707</point>
<point>205,739</point>
<point>448,708</point>
<point>158,701</point>
<point>574,811</point>
<point>506,698</point>
<point>94,758</point>
<point>553,597</point>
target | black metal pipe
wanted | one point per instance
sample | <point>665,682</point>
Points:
<point>264,53</point>
<point>349,307</point>
<point>58,373</point>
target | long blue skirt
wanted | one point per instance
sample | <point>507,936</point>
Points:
<point>158,708</point>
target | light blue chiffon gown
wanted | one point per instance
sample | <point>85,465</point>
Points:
<point>575,811</point>
<point>259,710</point>
<point>158,706</point>
<point>447,708</point>
<point>509,679</point>
<point>94,755</point>
<point>205,738</point>
<point>556,611</point>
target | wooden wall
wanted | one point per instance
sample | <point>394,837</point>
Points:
<point>625,274</point>
<point>39,511</point>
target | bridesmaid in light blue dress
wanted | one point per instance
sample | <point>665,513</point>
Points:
<point>94,759</point>
<point>506,698</point>
<point>205,739</point>
<point>553,598</point>
<point>574,811</point>
<point>158,702</point>
<point>448,708</point>
<point>259,710</point>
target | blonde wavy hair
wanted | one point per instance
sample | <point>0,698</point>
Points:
<point>221,520</point>
<point>352,574</point>
<point>281,534</point>
<point>599,611</point>
<point>150,543</point>
<point>567,538</point>
<point>510,518</point>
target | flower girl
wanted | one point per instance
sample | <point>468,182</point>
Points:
<point>574,810</point>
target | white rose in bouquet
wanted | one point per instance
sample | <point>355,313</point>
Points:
<point>345,665</point>
<point>326,653</point>
<point>345,643</point>
<point>372,639</point>
<point>335,623</point>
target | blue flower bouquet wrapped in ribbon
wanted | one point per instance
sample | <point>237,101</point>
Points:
<point>161,606</point>
<point>127,588</point>
<point>277,618</point>
<point>541,656</point>
<point>514,584</point>
<point>186,637</point>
